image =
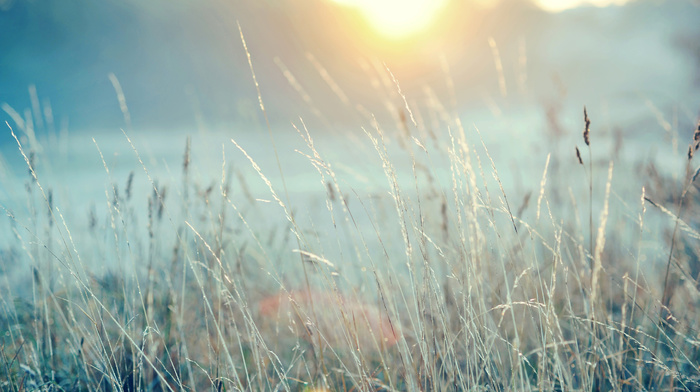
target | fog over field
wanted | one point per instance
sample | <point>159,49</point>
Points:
<point>516,73</point>
<point>183,72</point>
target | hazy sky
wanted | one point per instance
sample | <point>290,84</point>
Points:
<point>183,64</point>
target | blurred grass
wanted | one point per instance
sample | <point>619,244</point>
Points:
<point>443,278</point>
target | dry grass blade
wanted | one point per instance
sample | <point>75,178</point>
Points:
<point>600,241</point>
<point>543,183</point>
<point>314,257</point>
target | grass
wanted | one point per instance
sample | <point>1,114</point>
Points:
<point>432,283</point>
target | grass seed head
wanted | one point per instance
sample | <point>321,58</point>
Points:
<point>186,158</point>
<point>695,144</point>
<point>129,184</point>
<point>695,175</point>
<point>578,155</point>
<point>587,130</point>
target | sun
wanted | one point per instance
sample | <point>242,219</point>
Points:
<point>397,18</point>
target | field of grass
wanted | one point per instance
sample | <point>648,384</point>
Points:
<point>401,257</point>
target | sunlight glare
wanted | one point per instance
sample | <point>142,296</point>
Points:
<point>397,18</point>
<point>561,5</point>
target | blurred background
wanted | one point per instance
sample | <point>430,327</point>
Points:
<point>520,71</point>
<point>181,63</point>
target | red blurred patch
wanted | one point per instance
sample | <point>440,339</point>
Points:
<point>341,320</point>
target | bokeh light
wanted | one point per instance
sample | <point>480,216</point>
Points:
<point>561,5</point>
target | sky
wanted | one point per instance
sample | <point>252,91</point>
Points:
<point>182,63</point>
